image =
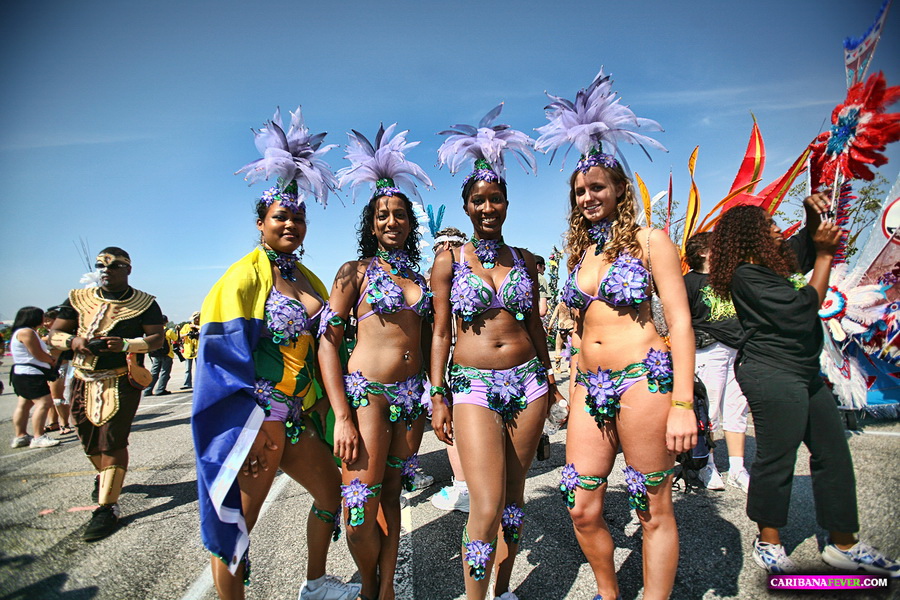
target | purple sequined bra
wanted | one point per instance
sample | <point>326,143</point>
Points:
<point>625,284</point>
<point>471,296</point>
<point>385,295</point>
<point>287,319</point>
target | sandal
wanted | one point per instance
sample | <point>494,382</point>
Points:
<point>66,430</point>
<point>51,427</point>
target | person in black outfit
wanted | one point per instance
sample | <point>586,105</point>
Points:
<point>717,334</point>
<point>108,329</point>
<point>778,370</point>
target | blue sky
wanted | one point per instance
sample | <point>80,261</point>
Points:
<point>122,123</point>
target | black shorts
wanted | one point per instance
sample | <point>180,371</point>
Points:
<point>30,387</point>
<point>112,435</point>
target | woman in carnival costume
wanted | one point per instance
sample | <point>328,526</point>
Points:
<point>379,415</point>
<point>498,380</point>
<point>256,400</point>
<point>635,392</point>
<point>778,371</point>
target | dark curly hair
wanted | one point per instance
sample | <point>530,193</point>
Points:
<point>467,188</point>
<point>368,243</point>
<point>698,243</point>
<point>743,234</point>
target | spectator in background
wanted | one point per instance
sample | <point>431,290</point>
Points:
<point>29,380</point>
<point>718,334</point>
<point>60,412</point>
<point>543,286</point>
<point>456,495</point>
<point>564,321</point>
<point>190,338</point>
<point>161,363</point>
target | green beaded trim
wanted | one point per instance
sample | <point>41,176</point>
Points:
<point>590,482</point>
<point>337,321</point>
<point>437,389</point>
<point>395,462</point>
<point>657,477</point>
<point>333,518</point>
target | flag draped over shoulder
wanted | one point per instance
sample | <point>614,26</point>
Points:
<point>225,416</point>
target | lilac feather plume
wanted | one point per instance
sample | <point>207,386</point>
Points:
<point>292,156</point>
<point>383,160</point>
<point>596,121</point>
<point>486,142</point>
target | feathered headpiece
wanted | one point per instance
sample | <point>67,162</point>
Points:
<point>384,164</point>
<point>486,144</point>
<point>295,159</point>
<point>860,131</point>
<point>594,119</point>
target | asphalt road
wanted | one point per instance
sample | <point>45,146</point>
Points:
<point>45,504</point>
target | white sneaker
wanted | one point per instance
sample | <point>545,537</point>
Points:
<point>21,441</point>
<point>422,481</point>
<point>740,480</point>
<point>711,478</point>
<point>861,556</point>
<point>452,498</point>
<point>42,441</point>
<point>330,589</point>
<point>772,558</point>
<point>507,596</point>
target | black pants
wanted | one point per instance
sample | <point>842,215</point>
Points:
<point>787,409</point>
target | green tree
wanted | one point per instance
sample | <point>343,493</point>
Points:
<point>863,211</point>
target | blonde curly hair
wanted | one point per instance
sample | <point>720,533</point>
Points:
<point>625,228</point>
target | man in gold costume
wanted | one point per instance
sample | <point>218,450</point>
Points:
<point>108,328</point>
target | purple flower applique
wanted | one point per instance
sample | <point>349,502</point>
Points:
<point>567,484</point>
<point>463,294</point>
<point>659,371</point>
<point>626,282</point>
<point>355,386</point>
<point>517,293</point>
<point>511,521</point>
<point>262,393</point>
<point>286,318</point>
<point>506,394</point>
<point>407,402</point>
<point>599,232</point>
<point>398,259</point>
<point>384,295</point>
<point>284,262</point>
<point>408,472</point>
<point>294,425</point>
<point>324,318</point>
<point>478,553</point>
<point>355,495</point>
<point>570,293</point>
<point>637,488</point>
<point>602,400</point>
<point>487,251</point>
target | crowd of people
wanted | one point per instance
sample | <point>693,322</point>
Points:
<point>276,385</point>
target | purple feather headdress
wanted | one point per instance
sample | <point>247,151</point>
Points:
<point>294,158</point>
<point>383,164</point>
<point>594,119</point>
<point>487,144</point>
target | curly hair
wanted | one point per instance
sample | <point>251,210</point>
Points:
<point>698,243</point>
<point>744,234</point>
<point>625,227</point>
<point>368,243</point>
<point>467,188</point>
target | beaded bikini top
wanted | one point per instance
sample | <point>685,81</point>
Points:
<point>625,285</point>
<point>287,319</point>
<point>386,297</point>
<point>471,296</point>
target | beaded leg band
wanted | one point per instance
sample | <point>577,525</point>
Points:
<point>408,470</point>
<point>333,518</point>
<point>355,495</point>
<point>511,522</point>
<point>571,479</point>
<point>477,554</point>
<point>637,485</point>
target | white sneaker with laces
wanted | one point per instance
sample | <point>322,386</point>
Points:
<point>740,480</point>
<point>330,589</point>
<point>861,556</point>
<point>422,481</point>
<point>711,478</point>
<point>21,441</point>
<point>772,558</point>
<point>43,441</point>
<point>452,497</point>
